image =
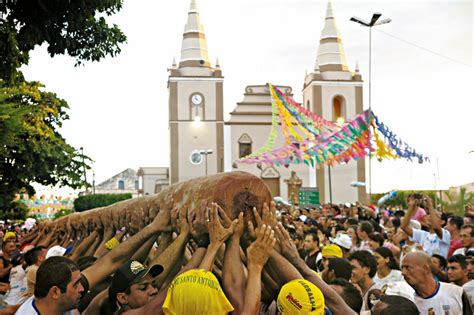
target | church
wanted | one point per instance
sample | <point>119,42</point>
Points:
<point>196,117</point>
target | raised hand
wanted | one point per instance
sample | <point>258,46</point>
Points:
<point>217,233</point>
<point>161,222</point>
<point>259,251</point>
<point>198,221</point>
<point>288,248</point>
<point>183,223</point>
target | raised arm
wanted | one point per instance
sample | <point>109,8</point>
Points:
<point>119,255</point>
<point>257,255</point>
<point>412,207</point>
<point>435,222</point>
<point>217,236</point>
<point>233,275</point>
<point>333,300</point>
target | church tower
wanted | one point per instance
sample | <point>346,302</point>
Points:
<point>196,119</point>
<point>334,93</point>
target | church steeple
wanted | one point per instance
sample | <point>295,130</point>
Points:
<point>331,55</point>
<point>194,46</point>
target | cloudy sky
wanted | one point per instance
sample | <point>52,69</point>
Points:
<point>422,77</point>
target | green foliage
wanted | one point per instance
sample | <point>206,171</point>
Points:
<point>455,202</point>
<point>78,28</point>
<point>87,202</point>
<point>32,148</point>
<point>16,211</point>
<point>400,201</point>
<point>62,212</point>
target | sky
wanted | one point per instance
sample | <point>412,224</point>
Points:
<point>422,77</point>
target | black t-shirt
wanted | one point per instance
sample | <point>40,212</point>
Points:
<point>311,261</point>
<point>6,263</point>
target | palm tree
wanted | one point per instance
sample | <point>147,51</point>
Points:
<point>456,201</point>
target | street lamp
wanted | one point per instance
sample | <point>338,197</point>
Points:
<point>205,153</point>
<point>373,22</point>
<point>84,166</point>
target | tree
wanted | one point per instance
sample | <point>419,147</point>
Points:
<point>456,201</point>
<point>32,148</point>
<point>78,28</point>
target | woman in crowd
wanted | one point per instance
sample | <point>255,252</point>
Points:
<point>387,268</point>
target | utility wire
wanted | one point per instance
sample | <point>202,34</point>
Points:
<point>423,48</point>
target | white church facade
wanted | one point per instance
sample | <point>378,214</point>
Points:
<point>196,116</point>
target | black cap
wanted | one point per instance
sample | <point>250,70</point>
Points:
<point>130,273</point>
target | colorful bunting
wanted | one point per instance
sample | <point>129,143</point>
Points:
<point>312,140</point>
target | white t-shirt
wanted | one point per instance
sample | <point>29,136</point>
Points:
<point>17,286</point>
<point>29,308</point>
<point>469,289</point>
<point>431,242</point>
<point>393,276</point>
<point>446,300</point>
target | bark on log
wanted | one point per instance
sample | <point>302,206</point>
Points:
<point>234,192</point>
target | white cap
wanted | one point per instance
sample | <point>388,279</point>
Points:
<point>55,251</point>
<point>343,240</point>
<point>415,224</point>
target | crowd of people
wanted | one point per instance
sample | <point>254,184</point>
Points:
<point>333,259</point>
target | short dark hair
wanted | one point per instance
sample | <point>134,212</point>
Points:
<point>366,226</point>
<point>365,259</point>
<point>350,294</point>
<point>31,256</point>
<point>460,259</point>
<point>442,261</point>
<point>55,271</point>
<point>377,237</point>
<point>468,226</point>
<point>352,221</point>
<point>314,235</point>
<point>456,220</point>
<point>398,305</point>
<point>341,267</point>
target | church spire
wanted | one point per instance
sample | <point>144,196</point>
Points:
<point>194,45</point>
<point>331,55</point>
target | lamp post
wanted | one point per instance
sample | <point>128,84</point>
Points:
<point>84,166</point>
<point>373,22</point>
<point>205,153</point>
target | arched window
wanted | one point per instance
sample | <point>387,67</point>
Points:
<point>339,109</point>
<point>245,145</point>
<point>121,184</point>
<point>308,105</point>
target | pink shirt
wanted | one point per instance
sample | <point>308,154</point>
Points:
<point>420,214</point>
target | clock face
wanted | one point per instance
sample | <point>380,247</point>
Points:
<point>195,157</point>
<point>196,99</point>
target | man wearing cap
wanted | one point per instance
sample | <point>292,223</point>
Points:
<point>300,297</point>
<point>60,284</point>
<point>332,299</point>
<point>345,243</point>
<point>132,286</point>
<point>58,251</point>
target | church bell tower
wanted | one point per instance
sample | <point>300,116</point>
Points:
<point>196,105</point>
<point>335,93</point>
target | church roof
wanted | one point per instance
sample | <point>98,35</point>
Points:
<point>331,54</point>
<point>194,46</point>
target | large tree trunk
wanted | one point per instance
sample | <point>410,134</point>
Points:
<point>234,192</point>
